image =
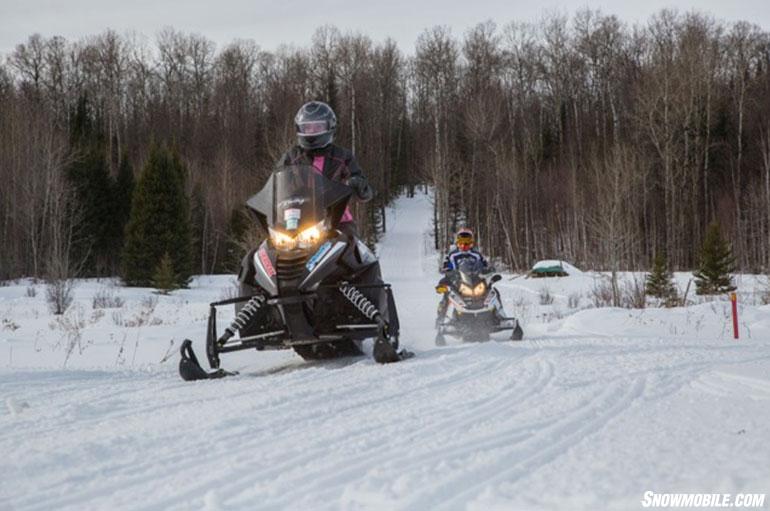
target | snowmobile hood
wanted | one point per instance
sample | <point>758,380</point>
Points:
<point>297,197</point>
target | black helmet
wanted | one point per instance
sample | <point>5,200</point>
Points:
<point>315,123</point>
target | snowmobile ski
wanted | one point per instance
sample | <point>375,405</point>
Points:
<point>385,352</point>
<point>191,370</point>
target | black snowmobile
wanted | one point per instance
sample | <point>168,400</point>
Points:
<point>474,310</point>
<point>308,286</point>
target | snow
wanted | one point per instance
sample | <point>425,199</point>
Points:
<point>595,406</point>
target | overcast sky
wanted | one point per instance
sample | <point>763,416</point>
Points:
<point>272,23</point>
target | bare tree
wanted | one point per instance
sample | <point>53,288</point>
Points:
<point>532,133</point>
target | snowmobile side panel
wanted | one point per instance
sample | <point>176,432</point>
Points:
<point>324,267</point>
<point>264,269</point>
<point>356,261</point>
<point>364,254</point>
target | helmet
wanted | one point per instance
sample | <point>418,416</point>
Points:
<point>464,239</point>
<point>315,123</point>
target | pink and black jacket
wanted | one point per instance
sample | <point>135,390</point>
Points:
<point>333,162</point>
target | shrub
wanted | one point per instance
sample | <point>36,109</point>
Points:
<point>59,295</point>
<point>107,298</point>
<point>546,298</point>
<point>716,264</point>
<point>633,294</point>
<point>601,294</point>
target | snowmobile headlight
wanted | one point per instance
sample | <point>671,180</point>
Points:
<point>479,289</point>
<point>466,290</point>
<point>282,241</point>
<point>311,236</point>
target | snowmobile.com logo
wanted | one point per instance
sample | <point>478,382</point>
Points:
<point>713,500</point>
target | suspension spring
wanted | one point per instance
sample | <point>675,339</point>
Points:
<point>360,301</point>
<point>243,317</point>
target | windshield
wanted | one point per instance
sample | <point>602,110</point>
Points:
<point>297,197</point>
<point>470,269</point>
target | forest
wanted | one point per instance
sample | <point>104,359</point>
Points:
<point>577,137</point>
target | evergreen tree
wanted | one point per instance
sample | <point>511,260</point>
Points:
<point>164,279</point>
<point>90,178</point>
<point>233,251</point>
<point>659,281</point>
<point>198,226</point>
<point>716,264</point>
<point>159,222</point>
<point>123,192</point>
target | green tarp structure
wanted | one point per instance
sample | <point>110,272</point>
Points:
<point>548,270</point>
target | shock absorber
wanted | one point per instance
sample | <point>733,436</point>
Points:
<point>242,318</point>
<point>360,302</point>
<point>384,350</point>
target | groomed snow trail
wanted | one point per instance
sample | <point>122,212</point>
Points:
<point>569,420</point>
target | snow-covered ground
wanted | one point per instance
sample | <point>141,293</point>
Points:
<point>595,406</point>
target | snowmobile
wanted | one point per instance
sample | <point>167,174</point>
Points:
<point>308,286</point>
<point>474,310</point>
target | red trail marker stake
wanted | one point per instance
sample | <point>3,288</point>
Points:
<point>734,300</point>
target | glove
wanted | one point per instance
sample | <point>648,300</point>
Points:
<point>361,187</point>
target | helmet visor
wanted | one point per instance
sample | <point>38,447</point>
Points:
<point>313,127</point>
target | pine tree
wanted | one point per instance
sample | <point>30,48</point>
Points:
<point>89,176</point>
<point>159,222</point>
<point>164,278</point>
<point>122,195</point>
<point>659,281</point>
<point>233,251</point>
<point>198,225</point>
<point>716,264</point>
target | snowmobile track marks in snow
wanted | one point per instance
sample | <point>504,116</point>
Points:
<point>543,445</point>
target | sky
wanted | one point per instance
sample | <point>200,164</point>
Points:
<point>292,22</point>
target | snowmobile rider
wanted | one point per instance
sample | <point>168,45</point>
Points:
<point>316,124</point>
<point>464,249</point>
